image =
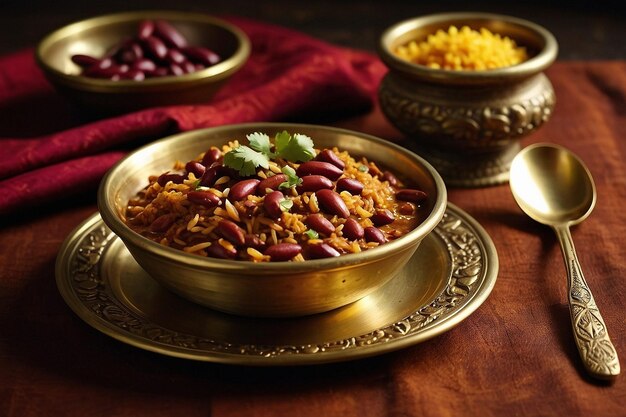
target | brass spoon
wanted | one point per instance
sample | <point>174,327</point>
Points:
<point>554,187</point>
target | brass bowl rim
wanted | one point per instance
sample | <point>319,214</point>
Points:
<point>544,58</point>
<point>213,73</point>
<point>114,222</point>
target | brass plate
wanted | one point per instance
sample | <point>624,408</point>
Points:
<point>449,277</point>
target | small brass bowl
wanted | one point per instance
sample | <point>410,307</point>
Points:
<point>468,123</point>
<point>272,289</point>
<point>97,35</point>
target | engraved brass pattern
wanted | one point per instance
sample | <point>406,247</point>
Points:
<point>467,250</point>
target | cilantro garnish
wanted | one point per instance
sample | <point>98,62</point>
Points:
<point>363,168</point>
<point>312,234</point>
<point>296,148</point>
<point>292,179</point>
<point>245,160</point>
<point>286,204</point>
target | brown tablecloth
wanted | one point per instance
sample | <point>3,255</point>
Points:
<point>514,356</point>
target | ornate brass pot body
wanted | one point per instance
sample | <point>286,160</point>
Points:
<point>468,123</point>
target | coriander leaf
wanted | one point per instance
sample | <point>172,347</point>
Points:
<point>292,179</point>
<point>298,149</point>
<point>281,140</point>
<point>286,204</point>
<point>260,142</point>
<point>312,234</point>
<point>245,160</point>
<point>363,168</point>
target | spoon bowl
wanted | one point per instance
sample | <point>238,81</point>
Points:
<point>554,187</point>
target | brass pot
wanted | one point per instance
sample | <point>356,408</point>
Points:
<point>271,289</point>
<point>468,123</point>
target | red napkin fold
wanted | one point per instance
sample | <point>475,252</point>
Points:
<point>288,75</point>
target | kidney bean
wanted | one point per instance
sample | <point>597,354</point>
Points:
<point>84,61</point>
<point>271,204</point>
<point>352,229</point>
<point>169,34</point>
<point>199,67</point>
<point>325,169</point>
<point>350,185</point>
<point>406,209</point>
<point>314,183</point>
<point>321,251</point>
<point>167,177</point>
<point>282,251</point>
<point>218,251</point>
<point>413,196</point>
<point>320,224</point>
<point>331,202</point>
<point>271,182</point>
<point>210,156</point>
<point>331,157</point>
<point>254,241</point>
<point>155,47</point>
<point>159,72</point>
<point>131,53</point>
<point>162,223</point>
<point>242,189</point>
<point>188,67</point>
<point>146,28</point>
<point>390,178</point>
<point>144,65</point>
<point>373,234</point>
<point>231,232</point>
<point>175,69</point>
<point>382,217</point>
<point>133,75</point>
<point>204,198</point>
<point>201,55</point>
<point>108,72</point>
<point>174,56</point>
<point>196,167</point>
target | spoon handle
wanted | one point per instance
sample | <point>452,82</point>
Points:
<point>592,338</point>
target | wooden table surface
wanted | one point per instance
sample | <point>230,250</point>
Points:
<point>514,356</point>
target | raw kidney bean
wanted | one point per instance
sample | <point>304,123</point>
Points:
<point>329,156</point>
<point>131,53</point>
<point>331,202</point>
<point>218,251</point>
<point>314,183</point>
<point>271,204</point>
<point>145,29</point>
<point>231,232</point>
<point>162,223</point>
<point>169,34</point>
<point>174,56</point>
<point>155,47</point>
<point>205,198</point>
<point>167,177</point>
<point>242,189</point>
<point>414,196</point>
<point>254,241</point>
<point>201,55</point>
<point>390,178</point>
<point>196,167</point>
<point>352,229</point>
<point>132,75</point>
<point>84,61</point>
<point>283,251</point>
<point>350,185</point>
<point>188,67</point>
<point>271,182</point>
<point>176,69</point>
<point>321,251</point>
<point>406,209</point>
<point>159,72</point>
<point>144,65</point>
<point>107,72</point>
<point>320,224</point>
<point>210,156</point>
<point>372,234</point>
<point>382,217</point>
<point>325,169</point>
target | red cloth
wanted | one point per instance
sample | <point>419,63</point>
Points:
<point>288,74</point>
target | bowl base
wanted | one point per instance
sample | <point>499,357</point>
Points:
<point>471,169</point>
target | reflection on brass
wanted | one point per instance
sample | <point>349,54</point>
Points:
<point>467,123</point>
<point>97,35</point>
<point>270,289</point>
<point>443,283</point>
<point>554,187</point>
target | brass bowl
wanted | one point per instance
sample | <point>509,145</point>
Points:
<point>468,123</point>
<point>97,35</point>
<point>271,289</point>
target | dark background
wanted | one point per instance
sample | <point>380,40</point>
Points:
<point>584,29</point>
